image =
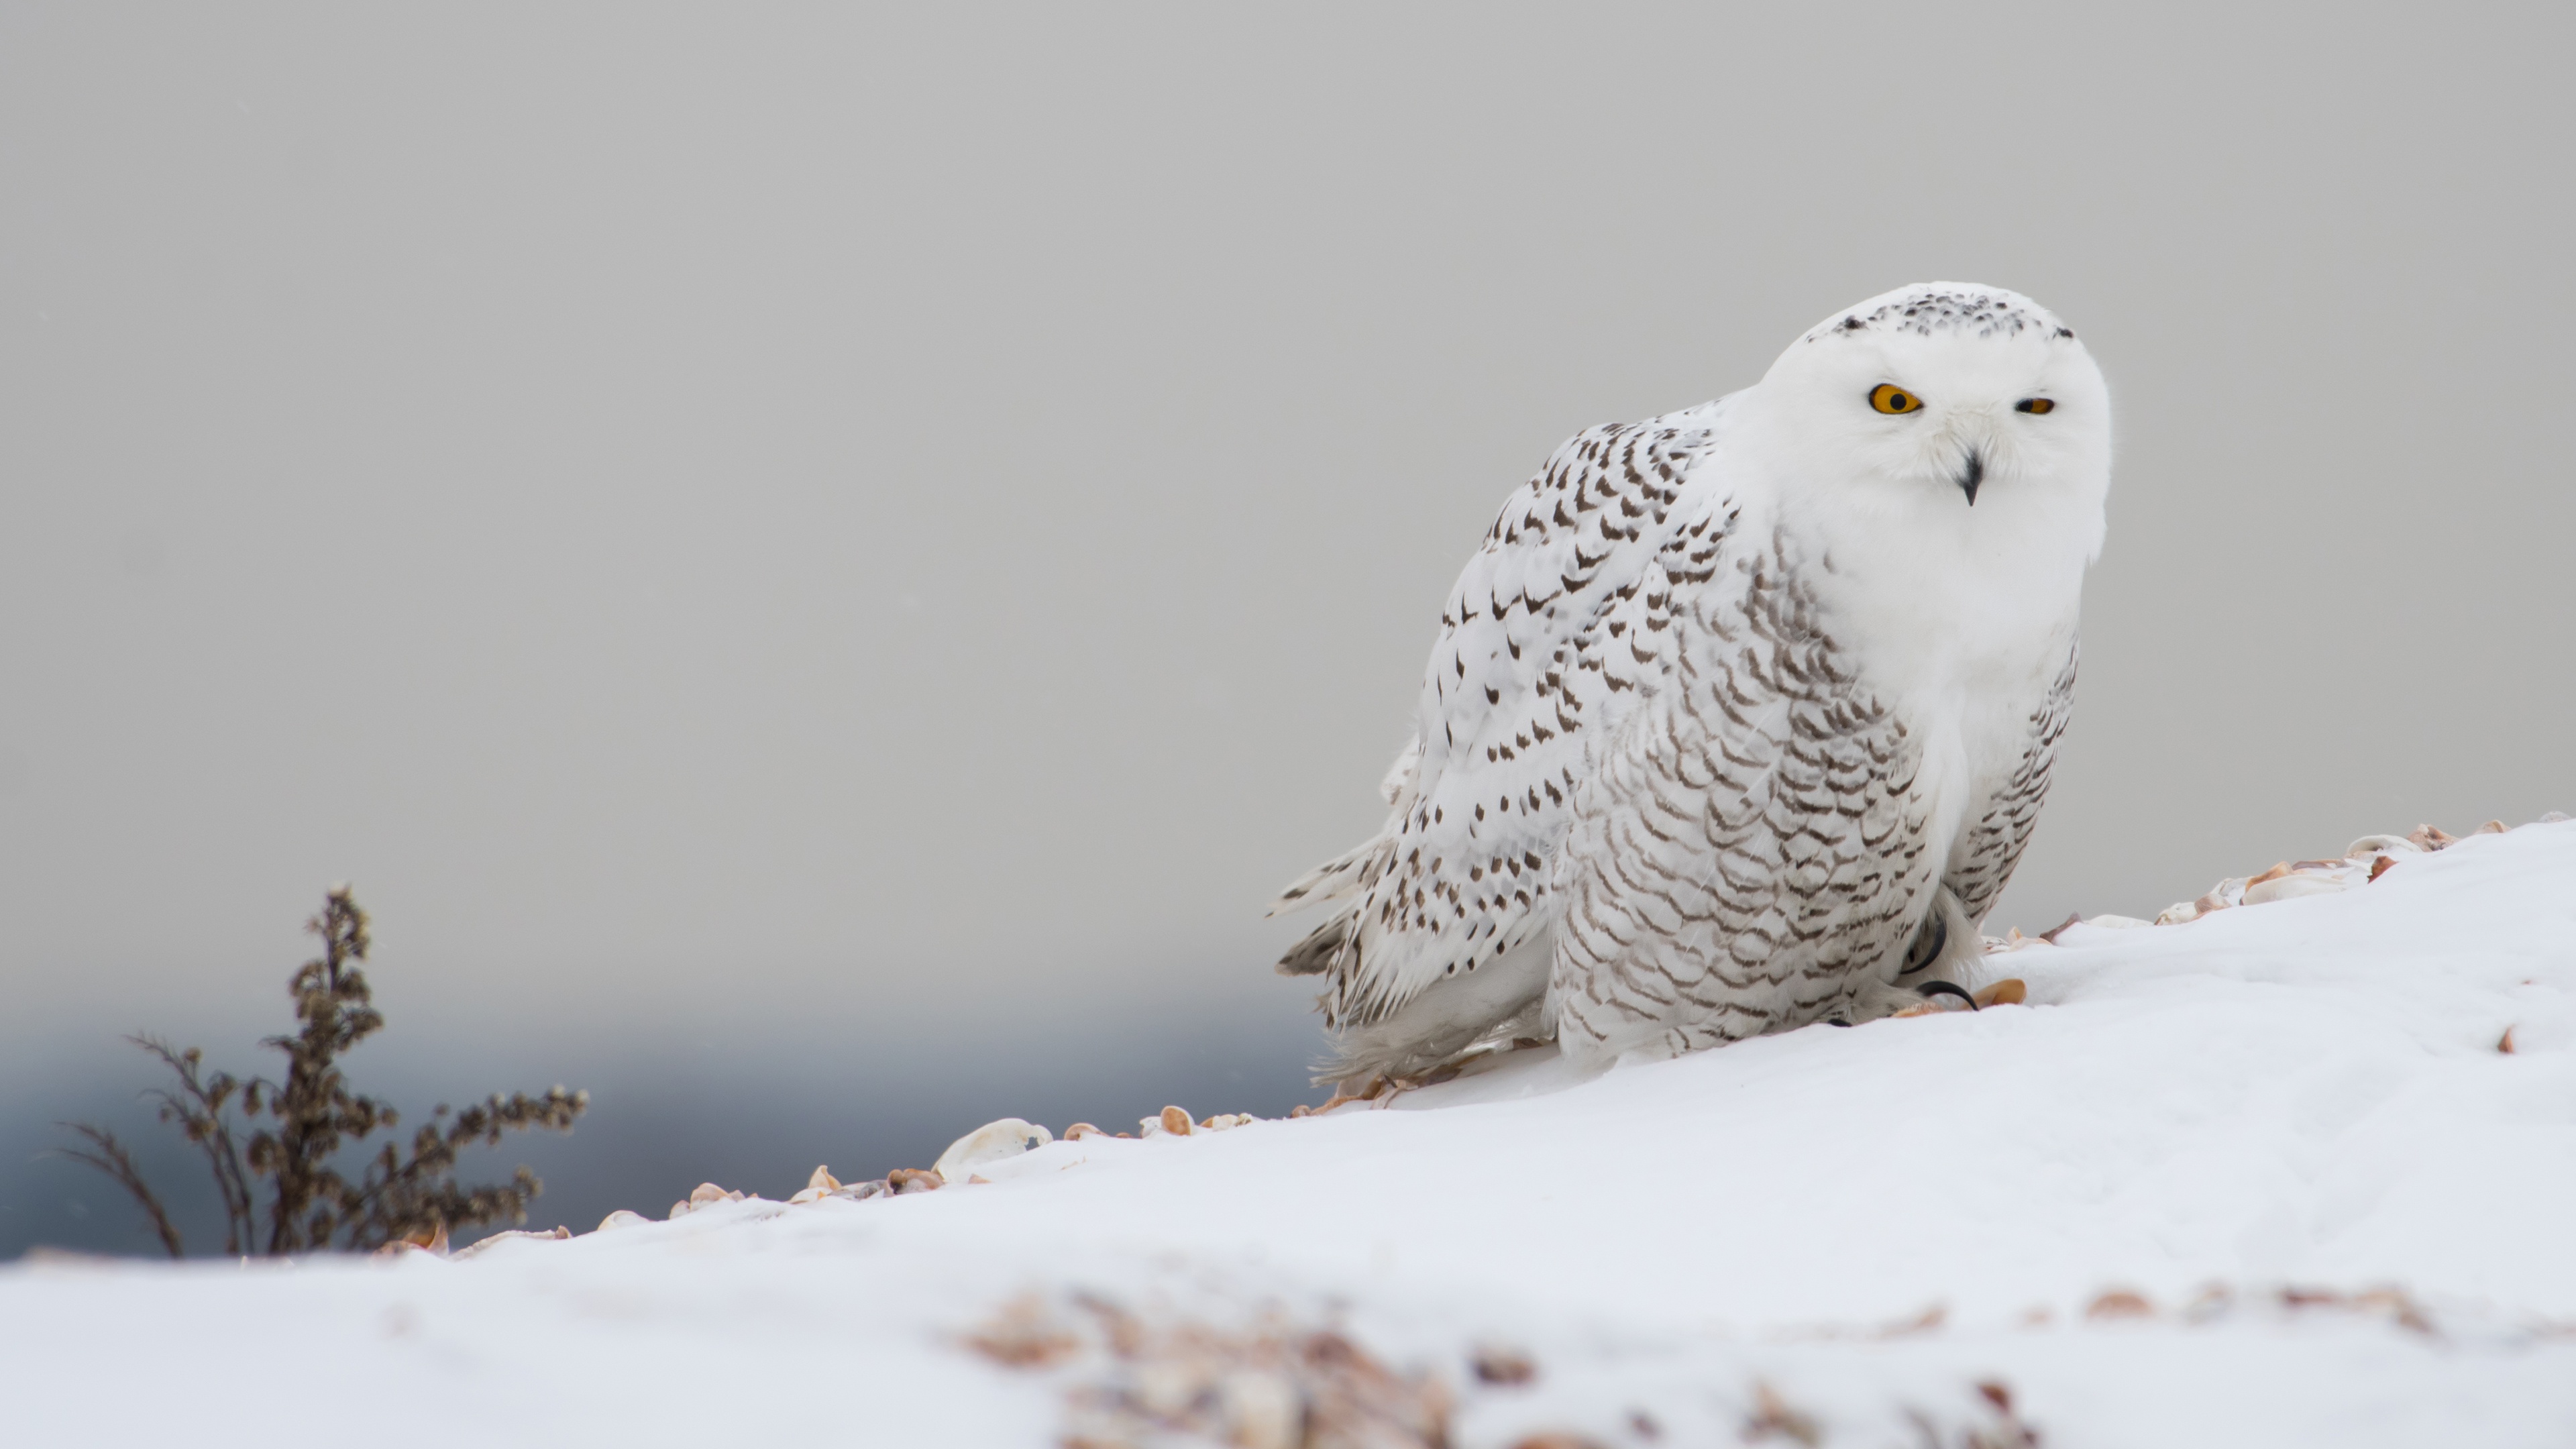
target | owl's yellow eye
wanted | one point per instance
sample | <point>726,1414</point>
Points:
<point>2034,405</point>
<point>1887,397</point>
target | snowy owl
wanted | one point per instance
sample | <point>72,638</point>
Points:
<point>1741,716</point>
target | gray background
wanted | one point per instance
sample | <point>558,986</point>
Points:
<point>815,569</point>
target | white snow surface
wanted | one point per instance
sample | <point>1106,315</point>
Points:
<point>2304,1093</point>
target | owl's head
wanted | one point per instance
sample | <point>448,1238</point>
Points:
<point>1944,400</point>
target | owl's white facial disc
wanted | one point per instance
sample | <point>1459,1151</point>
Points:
<point>1948,598</point>
<point>1954,409</point>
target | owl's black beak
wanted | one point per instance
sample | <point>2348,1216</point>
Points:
<point>1972,475</point>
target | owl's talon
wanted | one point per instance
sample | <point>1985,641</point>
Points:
<point>2011,991</point>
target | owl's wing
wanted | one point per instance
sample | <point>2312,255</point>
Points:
<point>2000,825</point>
<point>1557,628</point>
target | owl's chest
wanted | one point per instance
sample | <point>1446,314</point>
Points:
<point>1961,680</point>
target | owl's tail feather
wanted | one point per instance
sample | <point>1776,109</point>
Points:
<point>1343,875</point>
<point>1351,871</point>
<point>1328,947</point>
<point>1316,952</point>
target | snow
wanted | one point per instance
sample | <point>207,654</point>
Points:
<point>1863,1225</point>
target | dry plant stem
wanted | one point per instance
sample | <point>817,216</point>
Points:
<point>111,1159</point>
<point>199,1111</point>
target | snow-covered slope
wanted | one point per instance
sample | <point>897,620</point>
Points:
<point>2093,1203</point>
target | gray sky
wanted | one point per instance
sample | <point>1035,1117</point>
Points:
<point>750,534</point>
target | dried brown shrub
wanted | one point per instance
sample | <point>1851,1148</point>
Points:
<point>312,1205</point>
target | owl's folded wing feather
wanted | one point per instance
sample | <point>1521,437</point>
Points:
<point>1555,630</point>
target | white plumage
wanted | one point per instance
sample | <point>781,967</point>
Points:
<point>1740,718</point>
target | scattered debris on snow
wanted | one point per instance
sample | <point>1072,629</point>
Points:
<point>495,1240</point>
<point>2364,861</point>
<point>1130,1378</point>
<point>1495,1363</point>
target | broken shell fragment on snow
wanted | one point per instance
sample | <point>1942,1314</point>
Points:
<point>1772,1418</point>
<point>1261,1409</point>
<point>821,1185</point>
<point>1171,1121</point>
<point>1080,1130</point>
<point>1170,1387</point>
<point>914,1179</point>
<point>2011,991</point>
<point>2296,883</point>
<point>1501,1364</point>
<point>622,1218</point>
<point>2226,893</point>
<point>992,1142</point>
<point>706,1194</point>
<point>555,1236</point>
<point>2120,1303</point>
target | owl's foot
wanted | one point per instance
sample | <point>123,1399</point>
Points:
<point>1341,1096</point>
<point>1383,1087</point>
<point>1376,1086</point>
